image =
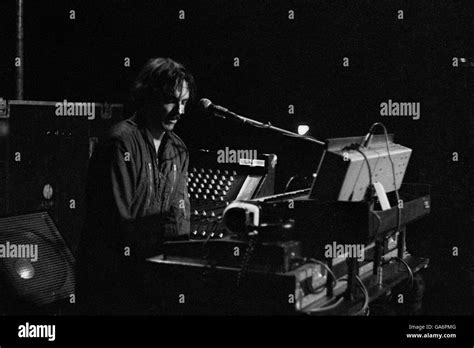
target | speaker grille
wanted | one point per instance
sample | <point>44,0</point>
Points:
<point>48,278</point>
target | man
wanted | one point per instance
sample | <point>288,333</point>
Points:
<point>136,193</point>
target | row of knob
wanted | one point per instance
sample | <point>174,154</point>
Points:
<point>210,171</point>
<point>211,179</point>
<point>204,234</point>
<point>197,196</point>
<point>204,213</point>
<point>210,187</point>
<point>202,182</point>
<point>208,192</point>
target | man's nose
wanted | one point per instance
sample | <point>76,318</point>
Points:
<point>181,109</point>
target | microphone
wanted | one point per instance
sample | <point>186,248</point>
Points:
<point>363,144</point>
<point>366,139</point>
<point>215,110</point>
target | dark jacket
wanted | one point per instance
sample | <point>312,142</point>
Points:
<point>135,199</point>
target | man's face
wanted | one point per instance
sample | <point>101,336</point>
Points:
<point>171,107</point>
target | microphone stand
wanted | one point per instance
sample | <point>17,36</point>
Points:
<point>268,125</point>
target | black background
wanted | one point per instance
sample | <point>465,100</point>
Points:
<point>284,62</point>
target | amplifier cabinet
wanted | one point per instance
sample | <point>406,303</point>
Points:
<point>44,152</point>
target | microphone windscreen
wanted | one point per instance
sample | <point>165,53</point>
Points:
<point>205,103</point>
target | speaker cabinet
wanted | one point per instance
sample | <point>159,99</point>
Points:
<point>44,155</point>
<point>36,265</point>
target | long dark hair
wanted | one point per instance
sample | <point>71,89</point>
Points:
<point>160,75</point>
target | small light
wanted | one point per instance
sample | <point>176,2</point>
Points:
<point>303,129</point>
<point>47,191</point>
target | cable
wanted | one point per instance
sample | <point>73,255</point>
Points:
<point>370,190</point>
<point>379,220</point>
<point>327,308</point>
<point>357,147</point>
<point>365,307</point>
<point>399,216</point>
<point>410,271</point>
